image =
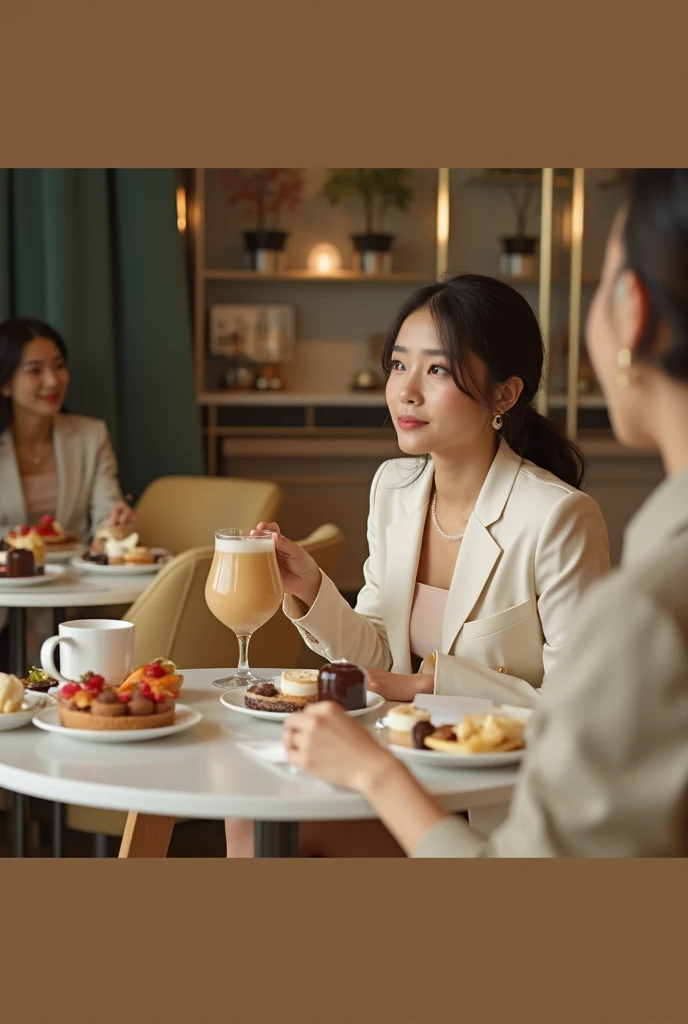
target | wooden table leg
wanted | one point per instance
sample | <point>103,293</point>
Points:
<point>146,835</point>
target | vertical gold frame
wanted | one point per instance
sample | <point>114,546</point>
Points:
<point>545,286</point>
<point>577,223</point>
<point>442,260</point>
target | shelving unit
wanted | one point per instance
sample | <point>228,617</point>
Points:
<point>322,444</point>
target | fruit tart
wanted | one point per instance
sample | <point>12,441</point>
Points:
<point>55,537</point>
<point>90,704</point>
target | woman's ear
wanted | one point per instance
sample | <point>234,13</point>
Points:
<point>508,394</point>
<point>631,309</point>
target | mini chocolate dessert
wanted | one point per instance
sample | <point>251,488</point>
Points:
<point>98,558</point>
<point>266,697</point>
<point>343,683</point>
<point>20,562</point>
<point>39,681</point>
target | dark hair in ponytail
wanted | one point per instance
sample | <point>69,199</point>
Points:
<point>14,335</point>
<point>486,317</point>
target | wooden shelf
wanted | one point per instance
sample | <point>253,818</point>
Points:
<point>557,400</point>
<point>562,181</point>
<point>307,275</point>
<point>588,280</point>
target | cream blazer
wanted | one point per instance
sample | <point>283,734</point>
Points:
<point>606,771</point>
<point>532,547</point>
<point>88,488</point>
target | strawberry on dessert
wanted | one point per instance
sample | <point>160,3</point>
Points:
<point>55,537</point>
<point>160,676</point>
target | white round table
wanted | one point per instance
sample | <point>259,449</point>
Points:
<point>203,773</point>
<point>70,590</point>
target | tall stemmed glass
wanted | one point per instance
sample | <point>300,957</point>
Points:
<point>243,591</point>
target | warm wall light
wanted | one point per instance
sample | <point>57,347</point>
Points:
<point>324,259</point>
<point>181,209</point>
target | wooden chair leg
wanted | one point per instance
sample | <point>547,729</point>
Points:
<point>146,835</point>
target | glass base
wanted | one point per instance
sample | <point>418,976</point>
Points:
<point>238,679</point>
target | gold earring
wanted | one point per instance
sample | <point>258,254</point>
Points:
<point>625,363</point>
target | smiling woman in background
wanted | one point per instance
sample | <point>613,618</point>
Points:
<point>51,463</point>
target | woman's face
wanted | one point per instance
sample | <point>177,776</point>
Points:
<point>39,384</point>
<point>429,412</point>
<point>615,323</point>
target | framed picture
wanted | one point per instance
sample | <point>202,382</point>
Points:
<point>263,333</point>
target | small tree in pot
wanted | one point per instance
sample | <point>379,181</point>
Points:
<point>519,251</point>
<point>264,192</point>
<point>379,190</point>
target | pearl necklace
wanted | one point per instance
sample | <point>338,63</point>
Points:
<point>433,512</point>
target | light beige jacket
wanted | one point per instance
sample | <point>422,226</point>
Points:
<point>606,773</point>
<point>532,547</point>
<point>88,488</point>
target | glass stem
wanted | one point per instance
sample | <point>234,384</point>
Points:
<point>244,640</point>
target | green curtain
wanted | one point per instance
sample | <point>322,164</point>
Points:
<point>97,254</point>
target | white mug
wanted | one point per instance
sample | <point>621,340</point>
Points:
<point>103,646</point>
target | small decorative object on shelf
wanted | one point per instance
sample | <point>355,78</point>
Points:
<point>379,190</point>
<point>324,259</point>
<point>264,192</point>
<point>365,380</point>
<point>269,378</point>
<point>253,339</point>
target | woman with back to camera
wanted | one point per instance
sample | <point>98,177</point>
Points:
<point>51,462</point>
<point>481,544</point>
<point>606,772</point>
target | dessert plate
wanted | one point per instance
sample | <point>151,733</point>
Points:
<point>63,557</point>
<point>32,703</point>
<point>52,572</point>
<point>83,565</point>
<point>185,718</point>
<point>442,759</point>
<point>234,700</point>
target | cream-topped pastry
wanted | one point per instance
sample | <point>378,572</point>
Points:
<point>401,721</point>
<point>11,693</point>
<point>299,682</point>
<point>116,548</point>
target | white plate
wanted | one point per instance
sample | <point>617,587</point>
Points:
<point>52,572</point>
<point>32,703</point>
<point>234,700</point>
<point>185,718</point>
<point>63,557</point>
<point>441,759</point>
<point>83,565</point>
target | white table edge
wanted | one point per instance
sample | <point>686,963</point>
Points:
<point>340,805</point>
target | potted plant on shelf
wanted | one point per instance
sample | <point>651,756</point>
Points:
<point>379,190</point>
<point>264,193</point>
<point>519,251</point>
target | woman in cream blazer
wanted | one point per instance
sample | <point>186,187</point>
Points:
<point>606,770</point>
<point>481,545</point>
<point>88,488</point>
<point>50,462</point>
<point>532,547</point>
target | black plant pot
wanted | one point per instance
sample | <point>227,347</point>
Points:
<point>265,250</point>
<point>519,256</point>
<point>373,253</point>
